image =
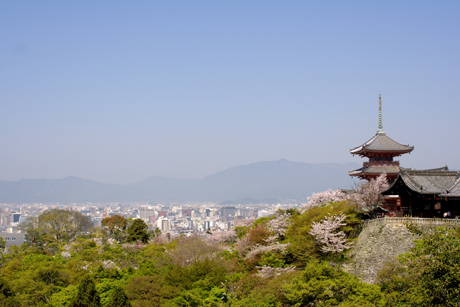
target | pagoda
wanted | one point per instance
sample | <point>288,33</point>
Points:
<point>380,149</point>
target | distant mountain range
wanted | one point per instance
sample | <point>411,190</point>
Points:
<point>274,180</point>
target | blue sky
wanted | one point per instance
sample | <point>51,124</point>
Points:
<point>118,91</point>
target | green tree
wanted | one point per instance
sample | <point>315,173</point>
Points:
<point>55,225</point>
<point>2,245</point>
<point>155,233</point>
<point>150,291</point>
<point>272,260</point>
<point>323,285</point>
<point>87,295</point>
<point>7,298</point>
<point>303,246</point>
<point>35,235</point>
<point>429,275</point>
<point>115,227</point>
<point>241,231</point>
<point>64,297</point>
<point>118,298</point>
<point>137,231</point>
<point>114,223</point>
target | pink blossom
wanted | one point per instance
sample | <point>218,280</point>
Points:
<point>269,272</point>
<point>109,264</point>
<point>221,237</point>
<point>368,194</point>
<point>134,246</point>
<point>262,249</point>
<point>158,239</point>
<point>98,241</point>
<point>243,222</point>
<point>243,245</point>
<point>85,266</point>
<point>279,224</point>
<point>326,235</point>
<point>67,247</point>
<point>321,198</point>
<point>112,241</point>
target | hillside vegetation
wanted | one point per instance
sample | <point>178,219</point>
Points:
<point>290,259</point>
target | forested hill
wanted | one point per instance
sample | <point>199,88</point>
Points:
<point>293,258</point>
<point>278,180</point>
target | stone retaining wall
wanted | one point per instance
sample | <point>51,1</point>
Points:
<point>381,241</point>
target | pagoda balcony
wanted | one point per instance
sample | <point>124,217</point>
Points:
<point>380,163</point>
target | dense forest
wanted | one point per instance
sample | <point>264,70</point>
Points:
<point>290,259</point>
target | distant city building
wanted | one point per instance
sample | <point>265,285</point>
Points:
<point>265,213</point>
<point>146,214</point>
<point>227,211</point>
<point>187,212</point>
<point>16,217</point>
<point>165,225</point>
<point>246,212</point>
<point>12,238</point>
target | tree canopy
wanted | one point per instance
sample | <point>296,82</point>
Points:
<point>137,231</point>
<point>55,225</point>
<point>87,295</point>
<point>292,258</point>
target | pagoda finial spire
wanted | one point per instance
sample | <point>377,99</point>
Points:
<point>380,114</point>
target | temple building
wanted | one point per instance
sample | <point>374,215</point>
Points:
<point>426,193</point>
<point>380,149</point>
<point>419,193</point>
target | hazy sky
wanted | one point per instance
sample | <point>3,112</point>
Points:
<point>118,91</point>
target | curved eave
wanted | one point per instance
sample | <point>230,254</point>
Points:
<point>453,191</point>
<point>381,143</point>
<point>374,171</point>
<point>411,185</point>
<point>355,172</point>
<point>356,151</point>
<point>386,192</point>
<point>367,152</point>
<point>414,184</point>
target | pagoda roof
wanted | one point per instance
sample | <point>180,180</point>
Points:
<point>440,181</point>
<point>381,143</point>
<point>373,169</point>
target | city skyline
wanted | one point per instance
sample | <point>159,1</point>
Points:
<point>120,92</point>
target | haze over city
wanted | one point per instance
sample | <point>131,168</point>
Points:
<point>121,91</point>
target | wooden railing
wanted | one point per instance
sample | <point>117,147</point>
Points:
<point>415,220</point>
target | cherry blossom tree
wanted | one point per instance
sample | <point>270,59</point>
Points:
<point>279,224</point>
<point>368,195</point>
<point>326,234</point>
<point>221,237</point>
<point>243,245</point>
<point>262,249</point>
<point>321,198</point>
<point>109,264</point>
<point>244,222</point>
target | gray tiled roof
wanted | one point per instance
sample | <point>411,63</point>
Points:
<point>454,190</point>
<point>380,142</point>
<point>442,182</point>
<point>375,170</point>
